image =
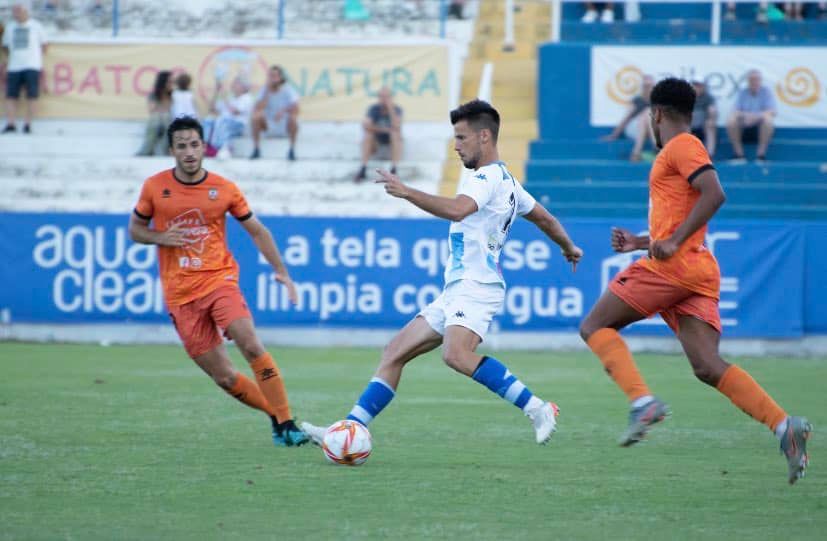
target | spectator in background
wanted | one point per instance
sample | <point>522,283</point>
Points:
<point>232,115</point>
<point>705,117</point>
<point>276,112</point>
<point>607,14</point>
<point>752,119</point>
<point>383,130</point>
<point>159,103</point>
<point>635,125</point>
<point>25,43</point>
<point>183,100</point>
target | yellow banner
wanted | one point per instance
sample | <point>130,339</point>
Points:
<point>112,80</point>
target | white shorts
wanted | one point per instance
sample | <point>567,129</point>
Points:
<point>465,303</point>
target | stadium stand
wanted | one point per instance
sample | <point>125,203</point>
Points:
<point>579,175</point>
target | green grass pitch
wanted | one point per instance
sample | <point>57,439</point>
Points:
<point>136,443</point>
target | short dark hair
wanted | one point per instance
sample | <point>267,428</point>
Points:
<point>675,96</point>
<point>184,123</point>
<point>480,115</point>
<point>183,81</point>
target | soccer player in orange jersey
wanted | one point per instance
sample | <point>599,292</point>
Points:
<point>187,207</point>
<point>680,280</point>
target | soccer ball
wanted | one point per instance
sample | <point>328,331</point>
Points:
<point>347,443</point>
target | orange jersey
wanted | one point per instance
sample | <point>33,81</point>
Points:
<point>671,198</point>
<point>204,263</point>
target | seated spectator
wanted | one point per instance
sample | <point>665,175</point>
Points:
<point>276,112</point>
<point>607,14</point>
<point>635,125</point>
<point>752,117</point>
<point>159,102</point>
<point>183,100</point>
<point>705,117</point>
<point>232,115</point>
<point>383,131</point>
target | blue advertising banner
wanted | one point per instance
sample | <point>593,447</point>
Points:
<point>377,273</point>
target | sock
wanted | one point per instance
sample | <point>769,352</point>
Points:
<point>494,375</point>
<point>617,360</point>
<point>248,392</point>
<point>376,396</point>
<point>781,428</point>
<point>744,392</point>
<point>271,384</point>
<point>642,401</point>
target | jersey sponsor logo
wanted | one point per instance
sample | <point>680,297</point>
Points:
<point>197,231</point>
<point>480,176</point>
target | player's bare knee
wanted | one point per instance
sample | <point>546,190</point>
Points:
<point>587,328</point>
<point>225,380</point>
<point>453,358</point>
<point>250,348</point>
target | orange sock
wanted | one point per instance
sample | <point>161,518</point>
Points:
<point>737,385</point>
<point>272,385</point>
<point>617,359</point>
<point>248,392</point>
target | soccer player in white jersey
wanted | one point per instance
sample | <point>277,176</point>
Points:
<point>481,214</point>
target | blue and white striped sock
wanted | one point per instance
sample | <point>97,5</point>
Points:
<point>494,375</point>
<point>373,400</point>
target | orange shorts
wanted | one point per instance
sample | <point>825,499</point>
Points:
<point>198,321</point>
<point>651,294</point>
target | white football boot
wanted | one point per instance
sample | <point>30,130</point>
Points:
<point>544,419</point>
<point>316,433</point>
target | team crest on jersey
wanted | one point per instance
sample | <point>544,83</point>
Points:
<point>213,194</point>
<point>196,229</point>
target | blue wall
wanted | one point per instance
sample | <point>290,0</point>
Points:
<point>374,273</point>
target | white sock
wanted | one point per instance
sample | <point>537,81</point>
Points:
<point>532,404</point>
<point>642,401</point>
<point>781,428</point>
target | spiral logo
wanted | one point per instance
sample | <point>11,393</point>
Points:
<point>800,88</point>
<point>625,84</point>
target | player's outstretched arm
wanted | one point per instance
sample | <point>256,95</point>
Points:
<point>267,246</point>
<point>139,231</point>
<point>554,230</point>
<point>711,199</point>
<point>454,209</point>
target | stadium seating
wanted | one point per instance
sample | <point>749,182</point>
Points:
<point>97,171</point>
<point>577,174</point>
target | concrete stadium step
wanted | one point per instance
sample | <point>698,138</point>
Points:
<point>803,150</point>
<point>272,189</point>
<point>315,142</point>
<point>613,170</point>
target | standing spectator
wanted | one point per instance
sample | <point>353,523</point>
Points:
<point>159,103</point>
<point>607,15</point>
<point>455,9</point>
<point>705,117</point>
<point>276,112</point>
<point>232,116</point>
<point>760,15</point>
<point>25,42</point>
<point>383,128</point>
<point>635,125</point>
<point>752,117</point>
<point>183,100</point>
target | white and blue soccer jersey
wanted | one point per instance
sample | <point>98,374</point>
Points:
<point>476,242</point>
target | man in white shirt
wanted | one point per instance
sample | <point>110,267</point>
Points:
<point>486,205</point>
<point>276,112</point>
<point>25,42</point>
